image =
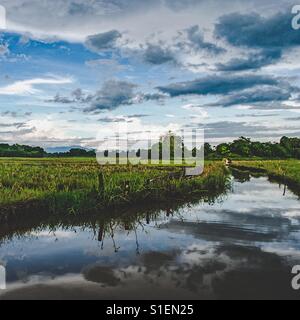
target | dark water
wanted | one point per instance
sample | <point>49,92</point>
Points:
<point>243,245</point>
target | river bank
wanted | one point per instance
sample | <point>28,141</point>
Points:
<point>81,187</point>
<point>283,171</point>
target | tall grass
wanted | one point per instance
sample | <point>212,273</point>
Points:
<point>77,185</point>
<point>286,171</point>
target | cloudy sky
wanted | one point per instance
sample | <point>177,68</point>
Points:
<point>71,70</point>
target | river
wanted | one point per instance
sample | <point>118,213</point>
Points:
<point>241,245</point>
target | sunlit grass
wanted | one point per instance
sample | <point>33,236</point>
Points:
<point>76,185</point>
<point>288,170</point>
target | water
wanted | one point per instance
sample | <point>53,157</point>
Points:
<point>243,245</point>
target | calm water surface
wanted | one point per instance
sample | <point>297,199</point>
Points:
<point>241,246</point>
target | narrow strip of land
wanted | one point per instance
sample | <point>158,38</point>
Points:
<point>285,171</point>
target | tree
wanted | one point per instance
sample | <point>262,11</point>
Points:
<point>17,150</point>
<point>223,149</point>
<point>242,147</point>
<point>208,149</point>
<point>279,151</point>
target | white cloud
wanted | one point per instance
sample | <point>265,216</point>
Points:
<point>56,18</point>
<point>27,87</point>
<point>197,111</point>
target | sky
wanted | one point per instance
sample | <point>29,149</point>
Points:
<point>71,71</point>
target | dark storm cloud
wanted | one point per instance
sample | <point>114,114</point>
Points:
<point>270,36</point>
<point>197,42</point>
<point>112,95</point>
<point>188,41</point>
<point>253,61</point>
<point>256,95</point>
<point>153,97</point>
<point>255,31</point>
<point>217,85</point>
<point>103,41</point>
<point>155,54</point>
<point>77,96</point>
<point>115,93</point>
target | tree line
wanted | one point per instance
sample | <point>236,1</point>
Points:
<point>245,148</point>
<point>23,151</point>
<point>17,150</point>
<point>240,148</point>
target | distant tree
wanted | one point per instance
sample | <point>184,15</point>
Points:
<point>223,149</point>
<point>279,151</point>
<point>286,143</point>
<point>291,145</point>
<point>297,153</point>
<point>17,150</point>
<point>242,147</point>
<point>208,150</point>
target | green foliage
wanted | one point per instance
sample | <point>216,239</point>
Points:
<point>287,171</point>
<point>79,185</point>
<point>223,149</point>
<point>240,148</point>
<point>73,153</point>
<point>245,148</point>
<point>17,150</point>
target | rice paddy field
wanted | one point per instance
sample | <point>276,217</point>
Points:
<point>80,185</point>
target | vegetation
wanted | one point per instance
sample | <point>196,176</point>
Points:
<point>104,224</point>
<point>17,150</point>
<point>241,148</point>
<point>245,148</point>
<point>286,171</point>
<point>74,153</point>
<point>80,185</point>
<point>73,182</point>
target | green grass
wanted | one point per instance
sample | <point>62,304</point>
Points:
<point>81,185</point>
<point>287,171</point>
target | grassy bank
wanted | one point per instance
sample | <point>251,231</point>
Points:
<point>285,171</point>
<point>80,185</point>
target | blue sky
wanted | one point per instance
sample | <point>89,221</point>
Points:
<point>71,70</point>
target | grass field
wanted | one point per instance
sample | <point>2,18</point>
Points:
<point>79,185</point>
<point>286,171</point>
